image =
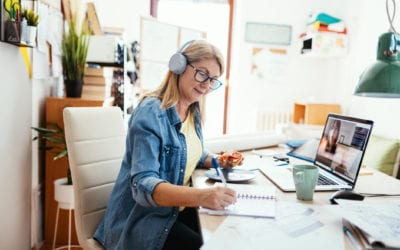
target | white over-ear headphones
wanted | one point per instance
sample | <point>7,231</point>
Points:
<point>178,61</point>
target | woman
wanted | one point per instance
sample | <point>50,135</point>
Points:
<point>332,137</point>
<point>152,205</point>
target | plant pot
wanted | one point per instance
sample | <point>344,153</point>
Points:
<point>73,88</point>
<point>31,35</point>
<point>11,31</point>
<point>64,194</point>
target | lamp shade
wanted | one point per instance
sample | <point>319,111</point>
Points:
<point>382,79</point>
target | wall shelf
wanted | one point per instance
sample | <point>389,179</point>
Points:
<point>20,44</point>
<point>324,44</point>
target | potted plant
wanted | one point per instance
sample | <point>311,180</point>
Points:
<point>53,139</point>
<point>52,135</point>
<point>74,52</point>
<point>32,21</point>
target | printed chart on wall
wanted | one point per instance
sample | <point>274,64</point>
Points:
<point>269,64</point>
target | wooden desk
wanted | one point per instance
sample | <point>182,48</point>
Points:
<point>369,181</point>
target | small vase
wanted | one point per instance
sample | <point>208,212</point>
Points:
<point>11,31</point>
<point>73,88</point>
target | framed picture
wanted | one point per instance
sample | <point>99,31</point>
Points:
<point>278,34</point>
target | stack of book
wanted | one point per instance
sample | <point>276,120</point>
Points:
<point>95,84</point>
<point>325,23</point>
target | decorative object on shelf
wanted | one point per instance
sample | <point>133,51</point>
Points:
<point>75,45</point>
<point>28,32</point>
<point>53,134</point>
<point>382,79</point>
<point>12,23</point>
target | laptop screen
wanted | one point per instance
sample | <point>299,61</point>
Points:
<point>342,145</point>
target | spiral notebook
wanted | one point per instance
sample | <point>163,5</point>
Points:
<point>252,200</point>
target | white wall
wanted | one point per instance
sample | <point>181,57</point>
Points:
<point>15,150</point>
<point>305,78</point>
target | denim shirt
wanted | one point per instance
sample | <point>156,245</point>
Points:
<point>155,153</point>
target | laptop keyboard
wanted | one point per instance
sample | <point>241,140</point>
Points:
<point>322,180</point>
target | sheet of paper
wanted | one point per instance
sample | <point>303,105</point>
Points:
<point>296,226</point>
<point>381,220</point>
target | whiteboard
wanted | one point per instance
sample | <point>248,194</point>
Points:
<point>158,42</point>
<point>190,34</point>
<point>154,73</point>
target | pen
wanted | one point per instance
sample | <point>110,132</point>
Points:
<point>281,164</point>
<point>353,240</point>
<point>218,170</point>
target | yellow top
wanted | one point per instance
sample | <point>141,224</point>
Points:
<point>194,149</point>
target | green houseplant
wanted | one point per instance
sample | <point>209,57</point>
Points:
<point>52,139</point>
<point>29,26</point>
<point>75,46</point>
<point>31,17</point>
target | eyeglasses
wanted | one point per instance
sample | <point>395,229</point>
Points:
<point>202,77</point>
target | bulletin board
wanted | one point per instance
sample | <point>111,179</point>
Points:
<point>158,42</point>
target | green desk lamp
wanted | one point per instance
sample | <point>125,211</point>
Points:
<point>382,79</point>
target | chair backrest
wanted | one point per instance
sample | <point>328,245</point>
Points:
<point>95,139</point>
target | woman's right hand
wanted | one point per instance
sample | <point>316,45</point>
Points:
<point>217,198</point>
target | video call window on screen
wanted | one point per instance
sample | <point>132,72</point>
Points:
<point>341,146</point>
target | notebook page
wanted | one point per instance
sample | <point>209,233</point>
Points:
<point>252,200</point>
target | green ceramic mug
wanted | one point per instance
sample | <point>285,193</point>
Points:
<point>305,179</point>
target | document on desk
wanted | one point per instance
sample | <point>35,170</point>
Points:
<point>296,226</point>
<point>379,220</point>
<point>252,200</point>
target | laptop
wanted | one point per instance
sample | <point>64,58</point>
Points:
<point>339,155</point>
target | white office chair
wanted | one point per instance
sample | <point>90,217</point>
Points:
<point>95,139</point>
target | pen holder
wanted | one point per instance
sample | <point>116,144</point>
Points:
<point>12,31</point>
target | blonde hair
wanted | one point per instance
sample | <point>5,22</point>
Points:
<point>168,91</point>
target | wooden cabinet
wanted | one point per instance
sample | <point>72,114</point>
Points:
<point>313,113</point>
<point>56,169</point>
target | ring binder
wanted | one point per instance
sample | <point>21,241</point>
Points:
<point>255,196</point>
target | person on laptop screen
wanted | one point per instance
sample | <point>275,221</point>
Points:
<point>341,147</point>
<point>332,137</point>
